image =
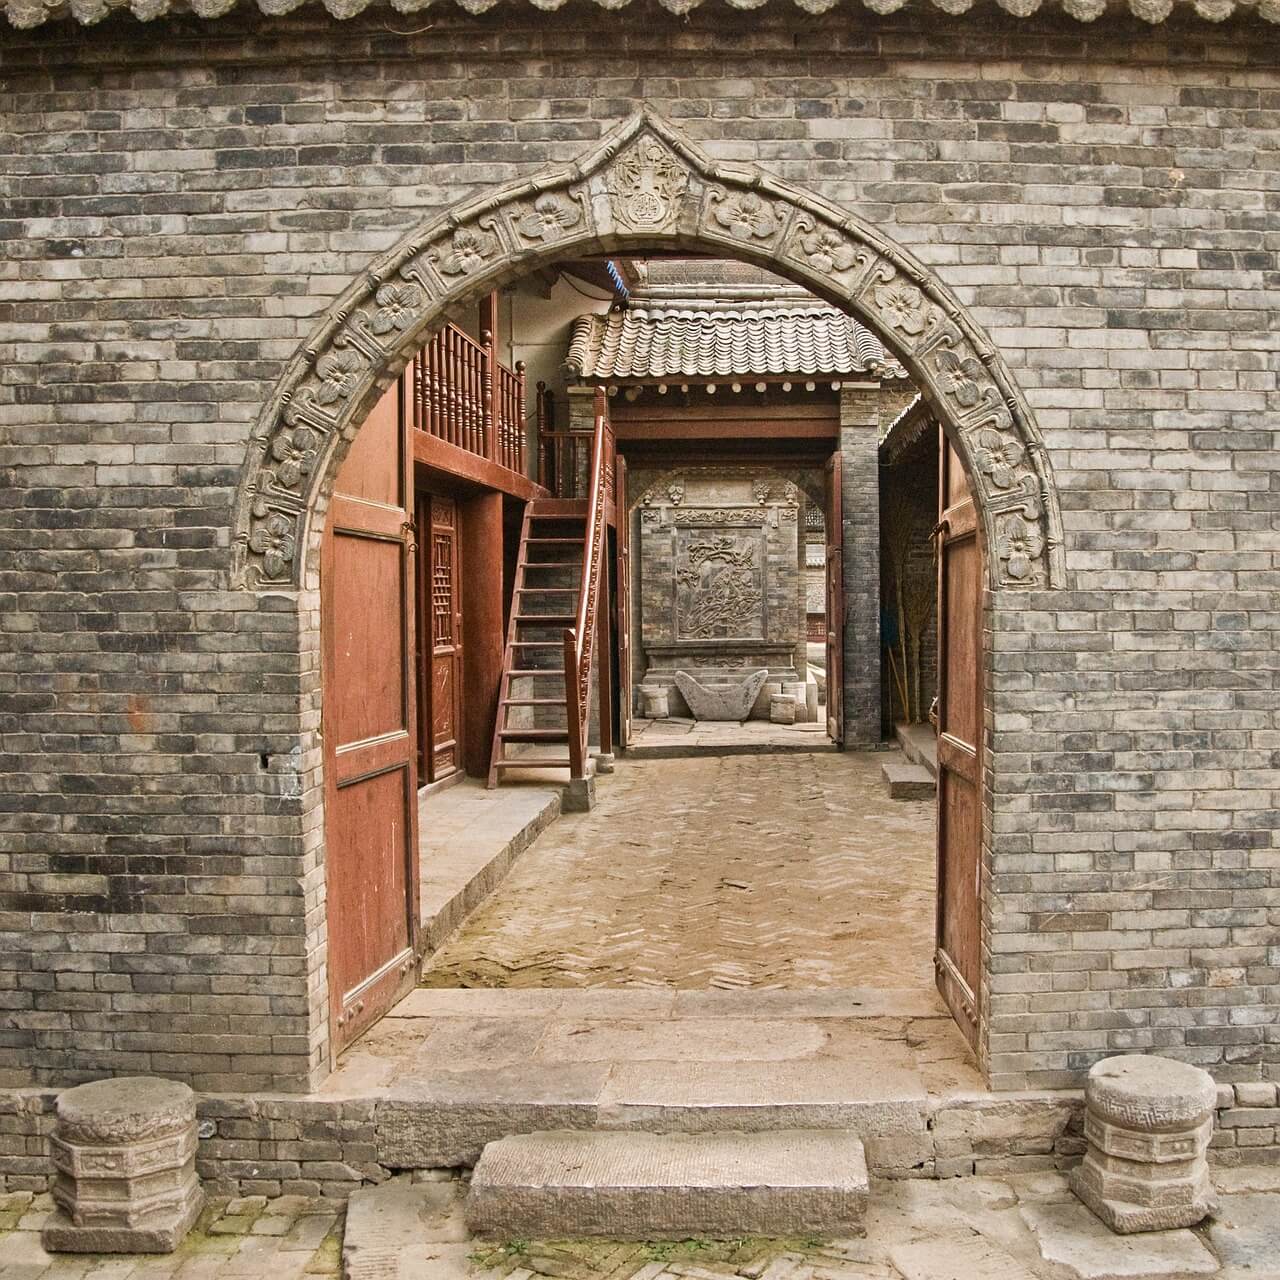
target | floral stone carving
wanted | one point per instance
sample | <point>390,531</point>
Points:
<point>643,184</point>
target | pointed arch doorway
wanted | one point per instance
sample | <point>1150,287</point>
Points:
<point>645,186</point>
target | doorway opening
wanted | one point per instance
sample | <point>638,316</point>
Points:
<point>644,189</point>
<point>717,435</point>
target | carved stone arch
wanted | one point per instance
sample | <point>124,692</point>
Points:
<point>645,186</point>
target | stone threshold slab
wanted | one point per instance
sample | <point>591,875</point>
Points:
<point>664,1003</point>
<point>469,838</point>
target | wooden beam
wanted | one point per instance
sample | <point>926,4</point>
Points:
<point>824,428</point>
<point>459,465</point>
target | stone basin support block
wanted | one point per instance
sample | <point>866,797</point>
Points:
<point>124,1151</point>
<point>1148,1122</point>
<point>782,709</point>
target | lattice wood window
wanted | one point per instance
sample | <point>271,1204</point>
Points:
<point>442,588</point>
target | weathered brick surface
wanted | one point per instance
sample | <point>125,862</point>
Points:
<point>184,199</point>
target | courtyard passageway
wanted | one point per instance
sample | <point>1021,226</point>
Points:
<point>731,872</point>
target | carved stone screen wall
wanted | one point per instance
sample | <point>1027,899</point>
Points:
<point>719,576</point>
<point>224,236</point>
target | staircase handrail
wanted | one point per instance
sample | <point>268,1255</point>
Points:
<point>578,639</point>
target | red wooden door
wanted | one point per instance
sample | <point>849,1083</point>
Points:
<point>369,730</point>
<point>623,582</point>
<point>958,956</point>
<point>834,520</point>
<point>443,607</point>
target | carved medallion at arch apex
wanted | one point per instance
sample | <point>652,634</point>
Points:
<point>644,181</point>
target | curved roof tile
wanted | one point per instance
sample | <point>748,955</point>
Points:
<point>669,342</point>
<point>31,13</point>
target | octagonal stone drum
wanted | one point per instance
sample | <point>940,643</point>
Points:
<point>125,1155</point>
<point>1147,1122</point>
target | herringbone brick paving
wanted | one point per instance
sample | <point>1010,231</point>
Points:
<point>754,871</point>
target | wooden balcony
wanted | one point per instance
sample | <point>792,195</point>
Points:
<point>468,412</point>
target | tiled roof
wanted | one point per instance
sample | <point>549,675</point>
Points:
<point>31,13</point>
<point>735,340</point>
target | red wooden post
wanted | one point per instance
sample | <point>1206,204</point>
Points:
<point>604,666</point>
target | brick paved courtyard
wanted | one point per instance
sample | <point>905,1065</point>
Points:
<point>753,871</point>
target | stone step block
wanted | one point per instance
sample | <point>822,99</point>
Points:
<point>646,1186</point>
<point>908,781</point>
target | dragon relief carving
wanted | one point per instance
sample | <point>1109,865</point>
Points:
<point>719,594</point>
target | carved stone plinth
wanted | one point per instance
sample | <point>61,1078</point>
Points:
<point>1148,1122</point>
<point>125,1155</point>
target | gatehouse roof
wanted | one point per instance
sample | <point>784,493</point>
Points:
<point>725,336</point>
<point>32,13</point>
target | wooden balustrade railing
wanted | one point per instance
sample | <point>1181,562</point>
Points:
<point>580,638</point>
<point>464,396</point>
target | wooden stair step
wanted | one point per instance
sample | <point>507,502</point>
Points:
<point>536,671</point>
<point>534,735</point>
<point>577,542</point>
<point>533,762</point>
<point>547,619</point>
<point>533,702</point>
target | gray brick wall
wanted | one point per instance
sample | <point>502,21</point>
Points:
<point>185,199</point>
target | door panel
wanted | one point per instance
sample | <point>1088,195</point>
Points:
<point>623,627</point>
<point>445,611</point>
<point>958,958</point>
<point>834,520</point>
<point>369,729</point>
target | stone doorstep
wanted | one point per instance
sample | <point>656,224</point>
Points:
<point>643,1186</point>
<point>919,745</point>
<point>908,781</point>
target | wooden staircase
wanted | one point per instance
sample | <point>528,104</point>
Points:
<point>532,727</point>
<point>556,610</point>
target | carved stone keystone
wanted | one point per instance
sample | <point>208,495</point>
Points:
<point>725,702</point>
<point>1148,1122</point>
<point>125,1155</point>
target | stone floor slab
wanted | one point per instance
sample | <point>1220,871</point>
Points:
<point>1069,1235</point>
<point>1245,1231</point>
<point>967,1257</point>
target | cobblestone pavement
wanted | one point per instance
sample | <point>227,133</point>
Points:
<point>1026,1227</point>
<point>755,871</point>
<point>1023,1227</point>
<point>252,1238</point>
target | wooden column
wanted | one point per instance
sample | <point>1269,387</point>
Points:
<point>482,611</point>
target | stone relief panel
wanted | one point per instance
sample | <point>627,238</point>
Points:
<point>644,184</point>
<point>719,584</point>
